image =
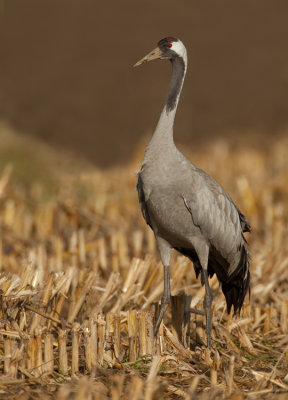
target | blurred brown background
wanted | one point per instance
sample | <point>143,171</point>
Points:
<point>66,71</point>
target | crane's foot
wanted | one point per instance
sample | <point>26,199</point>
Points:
<point>194,311</point>
<point>164,304</point>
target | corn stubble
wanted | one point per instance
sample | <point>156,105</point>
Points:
<point>81,281</point>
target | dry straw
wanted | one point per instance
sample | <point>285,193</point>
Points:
<point>81,280</point>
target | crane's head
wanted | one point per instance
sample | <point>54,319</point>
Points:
<point>168,48</point>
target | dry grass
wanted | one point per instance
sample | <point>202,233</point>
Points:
<point>81,279</point>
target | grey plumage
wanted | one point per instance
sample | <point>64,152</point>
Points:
<point>186,208</point>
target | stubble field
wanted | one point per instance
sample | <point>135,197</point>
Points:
<point>81,280</point>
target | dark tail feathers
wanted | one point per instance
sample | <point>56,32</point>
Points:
<point>235,286</point>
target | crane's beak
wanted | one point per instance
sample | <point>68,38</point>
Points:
<point>153,55</point>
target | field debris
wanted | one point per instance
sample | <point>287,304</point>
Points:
<point>81,280</point>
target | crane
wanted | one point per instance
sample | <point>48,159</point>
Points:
<point>186,208</point>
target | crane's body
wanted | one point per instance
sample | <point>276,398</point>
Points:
<point>186,208</point>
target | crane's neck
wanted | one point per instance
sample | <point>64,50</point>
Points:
<point>162,139</point>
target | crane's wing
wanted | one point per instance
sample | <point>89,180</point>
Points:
<point>141,196</point>
<point>214,212</point>
<point>222,224</point>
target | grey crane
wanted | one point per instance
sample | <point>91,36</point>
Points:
<point>186,208</point>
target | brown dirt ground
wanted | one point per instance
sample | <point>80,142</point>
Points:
<point>66,71</point>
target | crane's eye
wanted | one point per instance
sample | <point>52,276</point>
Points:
<point>169,45</point>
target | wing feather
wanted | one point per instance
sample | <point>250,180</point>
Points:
<point>142,201</point>
<point>214,212</point>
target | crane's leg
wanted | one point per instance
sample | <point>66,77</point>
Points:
<point>165,299</point>
<point>207,306</point>
<point>165,253</point>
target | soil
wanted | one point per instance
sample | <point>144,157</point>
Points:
<point>66,71</point>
